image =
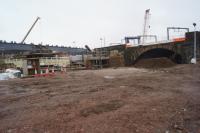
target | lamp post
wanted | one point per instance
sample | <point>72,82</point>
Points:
<point>194,59</point>
<point>101,53</point>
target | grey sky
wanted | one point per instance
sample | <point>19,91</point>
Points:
<point>86,21</point>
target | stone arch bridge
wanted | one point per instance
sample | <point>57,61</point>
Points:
<point>178,51</point>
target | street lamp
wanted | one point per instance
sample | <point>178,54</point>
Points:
<point>101,63</point>
<point>194,59</point>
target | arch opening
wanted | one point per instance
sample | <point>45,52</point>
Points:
<point>158,57</point>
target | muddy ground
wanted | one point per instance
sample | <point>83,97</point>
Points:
<point>122,100</point>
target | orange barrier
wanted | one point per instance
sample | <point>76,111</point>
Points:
<point>178,39</point>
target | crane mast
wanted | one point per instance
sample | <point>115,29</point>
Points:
<point>146,25</point>
<point>30,30</point>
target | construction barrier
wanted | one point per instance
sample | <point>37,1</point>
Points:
<point>178,39</point>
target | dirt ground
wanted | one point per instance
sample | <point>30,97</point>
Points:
<point>122,100</point>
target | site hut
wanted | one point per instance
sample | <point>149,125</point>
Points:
<point>41,63</point>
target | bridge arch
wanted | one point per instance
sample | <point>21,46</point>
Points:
<point>159,53</point>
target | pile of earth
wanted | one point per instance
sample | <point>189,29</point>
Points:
<point>155,63</point>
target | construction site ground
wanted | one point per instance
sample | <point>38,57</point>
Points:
<point>120,100</point>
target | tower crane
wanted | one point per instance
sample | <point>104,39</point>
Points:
<point>146,25</point>
<point>141,39</point>
<point>30,30</point>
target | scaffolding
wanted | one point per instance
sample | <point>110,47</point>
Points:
<point>98,59</point>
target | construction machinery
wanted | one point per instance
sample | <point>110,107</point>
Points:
<point>88,48</point>
<point>30,30</point>
<point>142,39</point>
<point>146,25</point>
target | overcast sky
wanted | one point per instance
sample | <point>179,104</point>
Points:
<point>86,21</point>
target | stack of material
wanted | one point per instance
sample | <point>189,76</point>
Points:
<point>154,63</point>
<point>116,59</point>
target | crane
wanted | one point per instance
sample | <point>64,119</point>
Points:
<point>146,25</point>
<point>30,30</point>
<point>141,39</point>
